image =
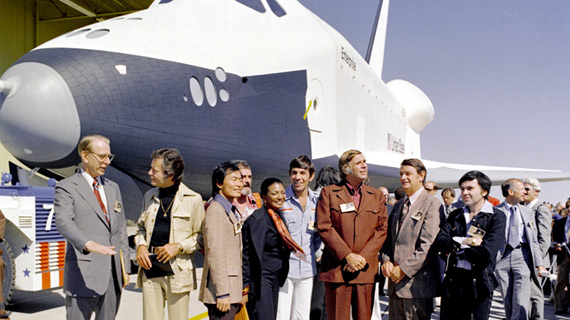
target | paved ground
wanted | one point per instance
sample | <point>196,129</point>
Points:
<point>49,305</point>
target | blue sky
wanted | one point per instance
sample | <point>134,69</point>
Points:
<point>497,73</point>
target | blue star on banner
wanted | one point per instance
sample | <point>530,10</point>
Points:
<point>27,273</point>
<point>26,248</point>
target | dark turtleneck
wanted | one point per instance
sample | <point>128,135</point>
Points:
<point>161,232</point>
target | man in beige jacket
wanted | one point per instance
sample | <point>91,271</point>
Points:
<point>167,236</point>
<point>222,281</point>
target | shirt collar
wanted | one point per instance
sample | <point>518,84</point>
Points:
<point>251,199</point>
<point>487,207</point>
<point>290,194</point>
<point>89,178</point>
<point>532,203</point>
<point>415,196</point>
<point>352,190</point>
<point>228,207</point>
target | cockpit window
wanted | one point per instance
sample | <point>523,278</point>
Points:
<point>164,1</point>
<point>253,4</point>
<point>276,8</point>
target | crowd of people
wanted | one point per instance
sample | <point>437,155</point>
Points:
<point>294,253</point>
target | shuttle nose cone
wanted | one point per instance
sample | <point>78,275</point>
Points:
<point>39,123</point>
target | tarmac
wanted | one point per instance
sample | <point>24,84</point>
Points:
<point>49,305</point>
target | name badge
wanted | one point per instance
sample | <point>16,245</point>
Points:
<point>347,207</point>
<point>118,206</point>
<point>476,232</point>
<point>417,215</point>
<point>237,228</point>
<point>312,225</point>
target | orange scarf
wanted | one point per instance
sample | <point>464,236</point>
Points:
<point>286,236</point>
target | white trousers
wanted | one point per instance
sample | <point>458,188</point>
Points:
<point>156,293</point>
<point>295,299</point>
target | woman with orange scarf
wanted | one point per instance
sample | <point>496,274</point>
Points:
<point>267,245</point>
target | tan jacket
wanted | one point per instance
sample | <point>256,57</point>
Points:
<point>411,248</point>
<point>222,262</point>
<point>185,228</point>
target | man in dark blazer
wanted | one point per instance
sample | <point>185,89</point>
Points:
<point>380,277</point>
<point>89,214</point>
<point>351,218</point>
<point>386,194</point>
<point>467,289</point>
<point>448,197</point>
<point>408,259</point>
<point>561,241</point>
<point>517,261</point>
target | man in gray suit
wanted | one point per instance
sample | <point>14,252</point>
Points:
<point>408,259</point>
<point>89,214</point>
<point>516,262</point>
<point>543,219</point>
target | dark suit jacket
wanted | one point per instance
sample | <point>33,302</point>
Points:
<point>389,209</point>
<point>254,233</point>
<point>482,257</point>
<point>411,248</point>
<point>362,232</point>
<point>558,237</point>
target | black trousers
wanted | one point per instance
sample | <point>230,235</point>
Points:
<point>460,299</point>
<point>264,307</point>
<point>214,313</point>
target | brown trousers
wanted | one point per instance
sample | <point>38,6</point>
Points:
<point>340,296</point>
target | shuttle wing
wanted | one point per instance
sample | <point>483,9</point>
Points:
<point>448,174</point>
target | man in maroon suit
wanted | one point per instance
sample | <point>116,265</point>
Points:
<point>352,221</point>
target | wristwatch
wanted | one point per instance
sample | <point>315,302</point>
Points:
<point>472,241</point>
<point>180,247</point>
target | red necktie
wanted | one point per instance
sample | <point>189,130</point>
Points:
<point>98,196</point>
<point>286,236</point>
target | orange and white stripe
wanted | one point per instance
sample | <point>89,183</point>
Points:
<point>50,258</point>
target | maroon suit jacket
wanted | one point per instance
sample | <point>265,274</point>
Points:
<point>362,231</point>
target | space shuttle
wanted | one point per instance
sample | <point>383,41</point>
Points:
<point>260,80</point>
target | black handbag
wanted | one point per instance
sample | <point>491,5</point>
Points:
<point>158,269</point>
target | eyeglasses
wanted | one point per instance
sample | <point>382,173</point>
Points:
<point>103,157</point>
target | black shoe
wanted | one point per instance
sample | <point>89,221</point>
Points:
<point>4,314</point>
<point>559,312</point>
